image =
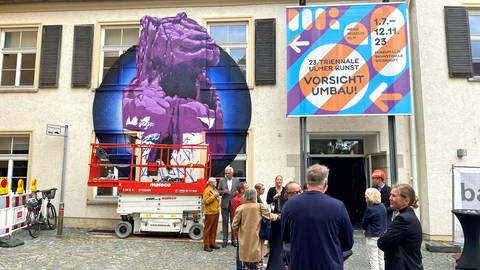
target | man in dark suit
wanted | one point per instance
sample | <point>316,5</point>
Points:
<point>226,188</point>
<point>378,182</point>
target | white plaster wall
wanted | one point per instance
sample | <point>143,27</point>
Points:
<point>449,116</point>
<point>275,136</point>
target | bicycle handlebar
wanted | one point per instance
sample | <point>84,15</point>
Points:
<point>45,190</point>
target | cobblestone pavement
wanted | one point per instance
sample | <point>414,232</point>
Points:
<point>83,249</point>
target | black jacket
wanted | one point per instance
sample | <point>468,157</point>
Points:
<point>402,242</point>
<point>385,197</point>
<point>279,202</point>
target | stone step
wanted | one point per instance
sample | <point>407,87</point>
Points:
<point>443,247</point>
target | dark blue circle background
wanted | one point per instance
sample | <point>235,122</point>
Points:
<point>226,78</point>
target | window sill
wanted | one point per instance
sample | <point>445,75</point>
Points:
<point>474,79</point>
<point>17,89</point>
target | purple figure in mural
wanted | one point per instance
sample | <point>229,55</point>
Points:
<point>171,95</point>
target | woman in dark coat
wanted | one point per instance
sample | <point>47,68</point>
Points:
<point>403,239</point>
<point>276,199</point>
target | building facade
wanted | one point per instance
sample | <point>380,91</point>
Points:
<point>56,54</point>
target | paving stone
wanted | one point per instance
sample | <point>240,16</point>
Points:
<point>89,250</point>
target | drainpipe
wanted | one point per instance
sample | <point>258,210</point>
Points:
<point>413,131</point>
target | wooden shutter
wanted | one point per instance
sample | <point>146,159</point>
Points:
<point>82,56</point>
<point>265,52</point>
<point>458,42</point>
<point>50,55</point>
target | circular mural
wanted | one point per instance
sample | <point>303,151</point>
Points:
<point>175,87</point>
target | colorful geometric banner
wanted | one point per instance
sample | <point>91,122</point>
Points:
<point>348,60</point>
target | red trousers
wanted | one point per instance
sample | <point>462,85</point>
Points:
<point>210,229</point>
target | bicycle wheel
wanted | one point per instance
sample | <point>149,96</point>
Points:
<point>33,226</point>
<point>51,216</point>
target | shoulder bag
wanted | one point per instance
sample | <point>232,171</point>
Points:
<point>265,226</point>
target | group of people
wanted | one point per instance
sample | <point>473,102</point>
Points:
<point>392,230</point>
<point>310,229</point>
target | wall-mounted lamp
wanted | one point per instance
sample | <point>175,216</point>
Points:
<point>461,153</point>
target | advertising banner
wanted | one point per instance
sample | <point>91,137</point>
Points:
<point>348,60</point>
<point>466,194</point>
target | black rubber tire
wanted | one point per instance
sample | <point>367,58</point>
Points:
<point>51,217</point>
<point>33,226</point>
<point>123,229</point>
<point>196,231</point>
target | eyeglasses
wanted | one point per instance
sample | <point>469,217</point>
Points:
<point>294,192</point>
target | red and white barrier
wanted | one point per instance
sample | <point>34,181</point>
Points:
<point>13,212</point>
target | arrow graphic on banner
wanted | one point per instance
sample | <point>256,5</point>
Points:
<point>378,97</point>
<point>385,97</point>
<point>295,43</point>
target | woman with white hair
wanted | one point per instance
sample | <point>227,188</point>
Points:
<point>247,222</point>
<point>374,223</point>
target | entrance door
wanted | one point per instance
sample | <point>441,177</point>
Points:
<point>376,161</point>
<point>346,182</point>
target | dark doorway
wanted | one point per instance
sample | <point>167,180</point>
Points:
<point>347,183</point>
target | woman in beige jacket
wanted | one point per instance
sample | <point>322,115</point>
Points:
<point>247,222</point>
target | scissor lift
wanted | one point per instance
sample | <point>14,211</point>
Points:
<point>160,186</point>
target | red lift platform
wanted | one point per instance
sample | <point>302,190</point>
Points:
<point>159,185</point>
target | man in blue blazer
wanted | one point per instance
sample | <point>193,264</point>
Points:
<point>316,225</point>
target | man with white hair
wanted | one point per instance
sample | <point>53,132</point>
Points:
<point>316,225</point>
<point>227,188</point>
<point>211,204</point>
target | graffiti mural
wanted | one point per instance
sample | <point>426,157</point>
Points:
<point>175,87</point>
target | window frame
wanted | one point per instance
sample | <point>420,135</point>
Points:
<point>14,157</point>
<point>246,157</point>
<point>474,12</point>
<point>243,157</point>
<point>250,40</point>
<point>99,41</point>
<point>20,52</point>
<point>134,138</point>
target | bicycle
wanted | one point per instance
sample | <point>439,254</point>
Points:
<point>40,212</point>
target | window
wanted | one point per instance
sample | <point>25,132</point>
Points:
<point>463,42</point>
<point>233,38</point>
<point>18,57</point>
<point>110,170</point>
<point>336,147</point>
<point>14,151</point>
<point>239,164</point>
<point>474,22</point>
<point>115,41</point>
